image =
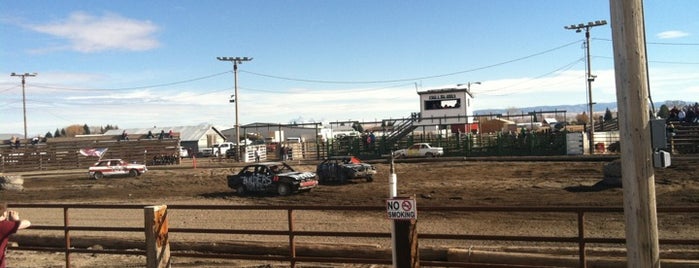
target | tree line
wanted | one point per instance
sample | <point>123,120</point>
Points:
<point>74,130</point>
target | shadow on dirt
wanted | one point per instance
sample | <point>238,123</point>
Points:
<point>219,195</point>
<point>599,186</point>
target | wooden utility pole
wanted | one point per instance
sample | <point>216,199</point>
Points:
<point>638,177</point>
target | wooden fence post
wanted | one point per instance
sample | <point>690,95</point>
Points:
<point>407,251</point>
<point>157,244</point>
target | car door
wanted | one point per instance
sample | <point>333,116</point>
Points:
<point>257,179</point>
<point>414,150</point>
<point>115,167</point>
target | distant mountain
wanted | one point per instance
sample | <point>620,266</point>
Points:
<point>576,109</point>
<point>569,109</point>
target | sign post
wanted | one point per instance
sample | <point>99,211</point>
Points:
<point>403,212</point>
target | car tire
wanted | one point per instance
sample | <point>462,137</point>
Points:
<point>241,190</point>
<point>429,155</point>
<point>283,189</point>
<point>369,179</point>
<point>133,173</point>
<point>98,176</point>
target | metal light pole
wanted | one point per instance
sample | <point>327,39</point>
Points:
<point>234,98</point>
<point>578,28</point>
<point>24,99</point>
<point>468,85</point>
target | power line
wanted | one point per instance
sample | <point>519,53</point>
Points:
<point>138,87</point>
<point>562,68</point>
<point>655,61</point>
<point>414,78</point>
<point>342,91</point>
<point>309,80</point>
<point>8,89</point>
<point>655,43</point>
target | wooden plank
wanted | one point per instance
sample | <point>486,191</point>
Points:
<point>65,153</point>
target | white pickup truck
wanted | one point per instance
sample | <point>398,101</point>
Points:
<point>419,150</point>
<point>220,149</point>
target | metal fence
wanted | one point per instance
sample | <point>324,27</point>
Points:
<point>292,229</point>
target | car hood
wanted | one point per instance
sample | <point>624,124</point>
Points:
<point>354,165</point>
<point>298,175</point>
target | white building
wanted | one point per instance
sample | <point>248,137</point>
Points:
<point>446,106</point>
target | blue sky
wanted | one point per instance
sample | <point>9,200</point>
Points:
<point>153,63</point>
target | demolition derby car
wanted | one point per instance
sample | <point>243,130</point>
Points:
<point>341,169</point>
<point>271,177</point>
<point>113,167</point>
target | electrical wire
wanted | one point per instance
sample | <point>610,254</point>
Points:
<point>8,89</point>
<point>137,87</point>
<point>414,78</point>
<point>342,91</point>
<point>655,43</point>
<point>568,66</point>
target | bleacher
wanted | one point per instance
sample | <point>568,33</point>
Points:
<point>684,138</point>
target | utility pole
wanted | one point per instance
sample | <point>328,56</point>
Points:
<point>24,99</point>
<point>235,99</point>
<point>637,174</point>
<point>578,28</point>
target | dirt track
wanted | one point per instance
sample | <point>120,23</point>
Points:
<point>445,183</point>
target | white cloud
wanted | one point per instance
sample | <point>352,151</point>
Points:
<point>87,33</point>
<point>672,34</point>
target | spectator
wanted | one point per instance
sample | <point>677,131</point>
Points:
<point>124,136</point>
<point>690,116</point>
<point>162,134</point>
<point>682,114</point>
<point>150,135</point>
<point>673,113</point>
<point>257,155</point>
<point>10,223</point>
<point>285,153</point>
<point>169,134</point>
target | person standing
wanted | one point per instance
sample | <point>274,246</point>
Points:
<point>257,155</point>
<point>9,224</point>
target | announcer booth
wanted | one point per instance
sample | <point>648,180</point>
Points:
<point>447,107</point>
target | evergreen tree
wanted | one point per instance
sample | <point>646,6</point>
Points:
<point>664,112</point>
<point>48,135</point>
<point>607,115</point>
<point>86,129</point>
<point>57,133</point>
<point>63,132</point>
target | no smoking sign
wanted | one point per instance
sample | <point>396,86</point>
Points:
<point>401,209</point>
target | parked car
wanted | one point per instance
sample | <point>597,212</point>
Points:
<point>112,167</point>
<point>341,169</point>
<point>184,152</point>
<point>220,149</point>
<point>271,177</point>
<point>205,152</point>
<point>419,150</point>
